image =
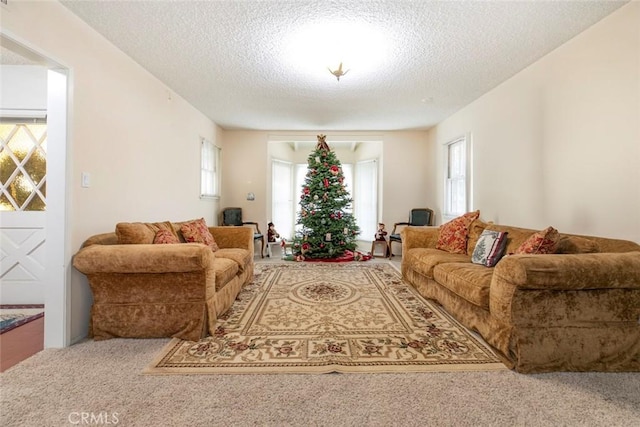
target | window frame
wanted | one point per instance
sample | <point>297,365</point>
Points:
<point>463,175</point>
<point>210,176</point>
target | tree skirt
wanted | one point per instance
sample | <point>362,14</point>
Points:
<point>12,316</point>
<point>347,256</point>
<point>320,318</point>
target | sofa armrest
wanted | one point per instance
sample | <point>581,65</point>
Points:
<point>548,293</point>
<point>419,237</point>
<point>101,239</point>
<point>571,271</point>
<point>178,258</point>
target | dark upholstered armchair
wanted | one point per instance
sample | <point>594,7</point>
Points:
<point>233,216</point>
<point>417,217</point>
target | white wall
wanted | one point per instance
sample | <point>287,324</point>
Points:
<point>405,174</point>
<point>139,141</point>
<point>559,143</point>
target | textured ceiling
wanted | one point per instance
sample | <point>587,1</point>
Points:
<point>246,64</point>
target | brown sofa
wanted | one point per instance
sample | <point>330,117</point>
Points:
<point>163,290</point>
<point>574,310</point>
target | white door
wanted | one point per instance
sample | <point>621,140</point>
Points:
<point>22,212</point>
<point>22,264</point>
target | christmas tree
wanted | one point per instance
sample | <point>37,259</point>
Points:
<point>328,230</point>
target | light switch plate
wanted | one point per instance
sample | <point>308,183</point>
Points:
<point>85,180</point>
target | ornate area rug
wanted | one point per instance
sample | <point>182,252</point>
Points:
<point>320,318</point>
<point>12,316</point>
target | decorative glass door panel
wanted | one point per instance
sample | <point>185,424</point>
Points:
<point>23,174</point>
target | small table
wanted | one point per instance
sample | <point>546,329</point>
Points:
<point>380,244</point>
<point>286,248</point>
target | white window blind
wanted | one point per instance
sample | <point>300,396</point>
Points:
<point>282,198</point>
<point>365,198</point>
<point>457,179</point>
<point>209,169</point>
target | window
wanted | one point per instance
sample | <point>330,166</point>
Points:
<point>282,209</point>
<point>365,198</point>
<point>23,166</point>
<point>457,180</point>
<point>209,170</point>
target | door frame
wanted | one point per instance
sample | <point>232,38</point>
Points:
<point>57,322</point>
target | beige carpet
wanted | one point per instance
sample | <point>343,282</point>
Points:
<point>320,318</point>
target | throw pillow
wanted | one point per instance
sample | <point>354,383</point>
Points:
<point>165,237</point>
<point>542,242</point>
<point>197,232</point>
<point>490,248</point>
<point>453,235</point>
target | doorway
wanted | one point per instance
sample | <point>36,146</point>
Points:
<point>33,232</point>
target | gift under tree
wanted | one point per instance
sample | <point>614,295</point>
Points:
<point>328,229</point>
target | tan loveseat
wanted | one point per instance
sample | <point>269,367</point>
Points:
<point>163,290</point>
<point>577,310</point>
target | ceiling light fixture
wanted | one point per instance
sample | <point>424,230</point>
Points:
<point>315,46</point>
<point>338,73</point>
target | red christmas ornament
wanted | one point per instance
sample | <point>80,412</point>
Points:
<point>306,190</point>
<point>335,170</point>
<point>326,183</point>
<point>332,216</point>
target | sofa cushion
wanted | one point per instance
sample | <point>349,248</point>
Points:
<point>542,242</point>
<point>225,270</point>
<point>423,260</point>
<point>242,257</point>
<point>469,281</point>
<point>454,234</point>
<point>196,231</point>
<point>164,237</point>
<point>489,248</point>
<point>475,230</point>
<point>576,245</point>
<point>139,233</point>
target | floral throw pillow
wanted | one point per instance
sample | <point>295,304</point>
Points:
<point>453,235</point>
<point>490,248</point>
<point>542,242</point>
<point>198,232</point>
<point>165,237</point>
